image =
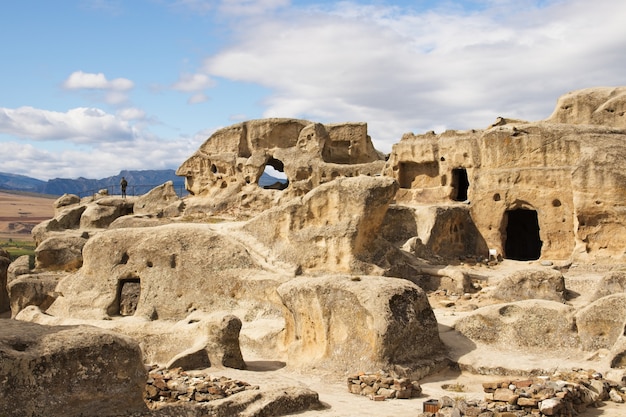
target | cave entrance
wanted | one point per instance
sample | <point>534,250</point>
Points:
<point>522,235</point>
<point>128,292</point>
<point>274,177</point>
<point>460,184</point>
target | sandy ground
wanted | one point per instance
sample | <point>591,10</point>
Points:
<point>20,213</point>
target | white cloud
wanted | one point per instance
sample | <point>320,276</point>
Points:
<point>193,83</point>
<point>84,80</point>
<point>402,70</point>
<point>79,125</point>
<point>114,92</point>
<point>198,98</point>
<point>99,161</point>
<point>131,113</point>
<point>251,7</point>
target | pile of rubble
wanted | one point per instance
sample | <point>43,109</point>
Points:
<point>382,386</point>
<point>558,396</point>
<point>172,385</point>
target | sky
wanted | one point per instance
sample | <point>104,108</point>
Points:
<point>92,87</point>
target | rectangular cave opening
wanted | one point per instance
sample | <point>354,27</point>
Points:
<point>522,235</point>
<point>460,184</point>
<point>128,292</point>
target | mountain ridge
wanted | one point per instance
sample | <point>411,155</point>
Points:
<point>139,182</point>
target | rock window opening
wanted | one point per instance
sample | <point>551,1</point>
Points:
<point>274,177</point>
<point>522,235</point>
<point>128,292</point>
<point>460,184</point>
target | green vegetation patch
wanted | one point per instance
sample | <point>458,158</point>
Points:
<point>17,248</point>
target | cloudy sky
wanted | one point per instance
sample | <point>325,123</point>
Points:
<point>92,87</point>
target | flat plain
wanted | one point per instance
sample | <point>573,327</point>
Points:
<point>20,212</point>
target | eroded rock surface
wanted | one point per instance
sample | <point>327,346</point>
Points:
<point>68,371</point>
<point>331,229</point>
<point>364,323</point>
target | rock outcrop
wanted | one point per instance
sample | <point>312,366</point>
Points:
<point>68,371</point>
<point>177,268</point>
<point>331,229</point>
<point>328,269</point>
<point>551,189</point>
<point>360,323</point>
<point>525,284</point>
<point>226,169</point>
<point>522,324</point>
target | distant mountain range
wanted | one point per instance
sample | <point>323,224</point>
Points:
<point>139,182</point>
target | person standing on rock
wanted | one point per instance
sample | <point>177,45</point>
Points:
<point>123,185</point>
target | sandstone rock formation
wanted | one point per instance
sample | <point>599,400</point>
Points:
<point>177,267</point>
<point>69,371</point>
<point>227,167</point>
<point>544,284</point>
<point>331,229</point>
<point>592,106</point>
<point>37,289</point>
<point>551,189</point>
<point>329,269</point>
<point>522,324</point>
<point>360,323</point>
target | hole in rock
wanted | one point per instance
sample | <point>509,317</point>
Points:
<point>128,292</point>
<point>274,177</point>
<point>460,184</point>
<point>522,235</point>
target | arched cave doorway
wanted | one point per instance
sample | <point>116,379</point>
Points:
<point>460,184</point>
<point>128,292</point>
<point>274,177</point>
<point>522,235</point>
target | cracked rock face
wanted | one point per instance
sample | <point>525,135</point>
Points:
<point>50,370</point>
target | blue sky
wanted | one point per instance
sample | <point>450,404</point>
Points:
<point>92,87</point>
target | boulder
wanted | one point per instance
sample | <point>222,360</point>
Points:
<point>278,401</point>
<point>200,340</point>
<point>356,323</point>
<point>19,266</point>
<point>219,347</point>
<point>64,201</point>
<point>526,284</point>
<point>33,290</point>
<point>102,212</point>
<point>60,252</point>
<point>68,371</point>
<point>161,201</point>
<point>526,324</point>
<point>601,323</point>
<point>66,218</point>
<point>141,220</point>
<point>612,283</point>
<point>332,229</point>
